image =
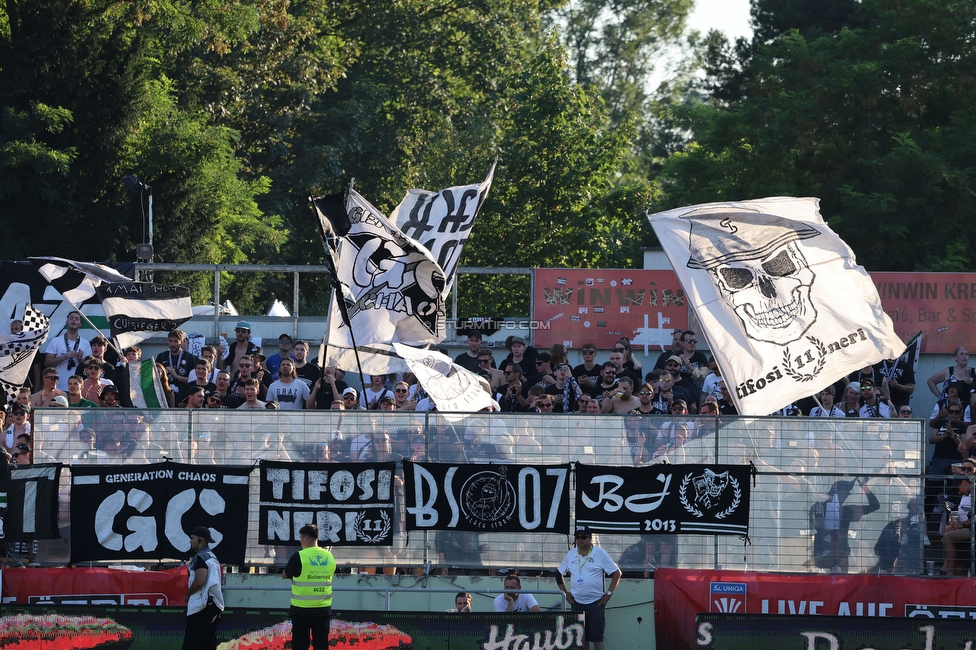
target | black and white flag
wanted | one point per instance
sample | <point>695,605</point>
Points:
<point>487,498</point>
<point>32,503</point>
<point>451,387</point>
<point>762,278</point>
<point>17,351</point>
<point>351,503</point>
<point>146,511</point>
<point>76,281</point>
<point>442,221</point>
<point>393,287</point>
<point>137,311</point>
<point>689,499</point>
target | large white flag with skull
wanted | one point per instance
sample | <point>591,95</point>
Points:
<point>784,306</point>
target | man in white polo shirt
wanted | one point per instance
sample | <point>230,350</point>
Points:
<point>587,566</point>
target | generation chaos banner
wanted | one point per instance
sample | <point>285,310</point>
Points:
<point>663,499</point>
<point>146,511</point>
<point>487,498</point>
<point>351,503</point>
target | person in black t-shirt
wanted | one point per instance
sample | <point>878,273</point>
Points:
<point>179,364</point>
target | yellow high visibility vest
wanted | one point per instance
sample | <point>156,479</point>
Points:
<point>314,587</point>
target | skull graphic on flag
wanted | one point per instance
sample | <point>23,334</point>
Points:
<point>759,270</point>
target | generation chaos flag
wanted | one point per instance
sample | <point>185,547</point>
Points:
<point>442,221</point>
<point>763,279</point>
<point>137,311</point>
<point>76,281</point>
<point>393,287</point>
<point>17,351</point>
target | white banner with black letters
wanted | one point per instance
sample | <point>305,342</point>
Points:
<point>487,498</point>
<point>147,511</point>
<point>351,503</point>
<point>32,503</point>
<point>690,499</point>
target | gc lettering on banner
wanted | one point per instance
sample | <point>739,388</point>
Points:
<point>143,511</point>
<point>351,503</point>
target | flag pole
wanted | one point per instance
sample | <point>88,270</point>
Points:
<point>337,290</point>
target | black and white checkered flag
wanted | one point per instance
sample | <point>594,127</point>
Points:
<point>17,351</point>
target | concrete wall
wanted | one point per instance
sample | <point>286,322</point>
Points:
<point>630,615</point>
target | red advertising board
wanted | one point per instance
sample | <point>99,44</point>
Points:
<point>940,305</point>
<point>680,594</point>
<point>94,586</point>
<point>577,306</point>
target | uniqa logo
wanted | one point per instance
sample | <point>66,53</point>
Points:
<point>564,636</point>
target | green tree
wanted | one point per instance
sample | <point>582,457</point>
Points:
<point>877,121</point>
<point>558,204</point>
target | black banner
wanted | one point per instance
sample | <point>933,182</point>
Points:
<point>351,503</point>
<point>663,499</point>
<point>487,498</point>
<point>32,503</point>
<point>146,511</point>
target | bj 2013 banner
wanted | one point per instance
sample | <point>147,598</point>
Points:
<point>351,503</point>
<point>659,499</point>
<point>148,511</point>
<point>487,498</point>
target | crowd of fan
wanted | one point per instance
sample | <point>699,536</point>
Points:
<point>683,384</point>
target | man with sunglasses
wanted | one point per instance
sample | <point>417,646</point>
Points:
<point>248,367</point>
<point>587,374</point>
<point>587,566</point>
<point>608,384</point>
<point>646,396</point>
<point>45,397</point>
<point>676,349</point>
<point>544,376</point>
<point>243,347</point>
<point>871,406</point>
<point>510,396</point>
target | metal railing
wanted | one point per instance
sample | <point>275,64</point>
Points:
<point>798,461</point>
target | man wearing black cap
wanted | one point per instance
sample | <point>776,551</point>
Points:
<point>871,406</point>
<point>284,352</point>
<point>587,565</point>
<point>469,358</point>
<point>204,598</point>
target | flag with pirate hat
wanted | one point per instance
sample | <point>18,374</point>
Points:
<point>762,277</point>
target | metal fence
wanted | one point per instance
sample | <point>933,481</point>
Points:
<point>798,460</point>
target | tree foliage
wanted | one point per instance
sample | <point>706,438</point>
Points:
<point>876,120</point>
<point>234,112</point>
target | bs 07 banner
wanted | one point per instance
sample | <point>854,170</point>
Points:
<point>690,499</point>
<point>146,511</point>
<point>487,498</point>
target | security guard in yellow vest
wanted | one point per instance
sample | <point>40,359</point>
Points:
<point>311,570</point>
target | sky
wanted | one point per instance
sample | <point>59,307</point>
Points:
<point>729,16</point>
